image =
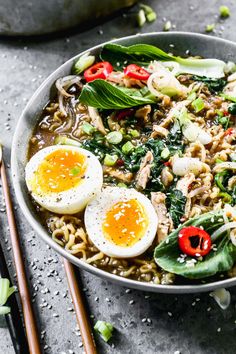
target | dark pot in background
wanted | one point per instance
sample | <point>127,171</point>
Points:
<point>29,17</point>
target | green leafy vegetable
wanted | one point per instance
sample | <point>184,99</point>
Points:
<point>5,292</point>
<point>168,255</point>
<point>143,54</point>
<point>176,204</point>
<point>101,94</point>
<point>110,160</point>
<point>214,85</point>
<point>83,63</point>
<point>149,12</point>
<point>232,109</point>
<point>105,329</point>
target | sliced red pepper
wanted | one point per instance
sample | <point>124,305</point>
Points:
<point>229,131</point>
<point>167,163</point>
<point>194,241</point>
<point>120,162</point>
<point>136,72</point>
<point>124,113</point>
<point>100,70</point>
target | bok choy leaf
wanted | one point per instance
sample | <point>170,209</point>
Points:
<point>168,255</point>
<point>143,54</point>
<point>5,292</point>
<point>102,94</point>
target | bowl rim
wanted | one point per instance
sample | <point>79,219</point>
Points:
<point>42,232</point>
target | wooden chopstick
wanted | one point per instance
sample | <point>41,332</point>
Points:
<point>30,325</point>
<point>82,318</point>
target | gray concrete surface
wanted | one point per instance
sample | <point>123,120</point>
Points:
<point>145,323</point>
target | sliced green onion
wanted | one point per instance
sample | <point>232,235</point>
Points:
<point>127,148</point>
<point>141,18</point>
<point>114,137</point>
<point>110,160</point>
<point>165,154</point>
<point>5,292</point>
<point>88,128</point>
<point>167,26</point>
<point>198,105</point>
<point>83,63</point>
<point>219,161</point>
<point>226,197</point>
<point>122,185</point>
<point>224,11</point>
<point>105,329</point>
<point>63,140</point>
<point>75,170</point>
<point>210,28</point>
<point>149,12</point>
<point>134,133</point>
<point>192,96</point>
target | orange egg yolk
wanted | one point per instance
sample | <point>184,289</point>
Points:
<point>125,223</point>
<point>59,171</point>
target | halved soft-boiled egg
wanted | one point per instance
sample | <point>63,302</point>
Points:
<point>63,179</point>
<point>121,222</point>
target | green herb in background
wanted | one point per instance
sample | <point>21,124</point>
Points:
<point>224,11</point>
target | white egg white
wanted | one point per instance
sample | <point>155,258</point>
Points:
<point>95,214</point>
<point>74,199</point>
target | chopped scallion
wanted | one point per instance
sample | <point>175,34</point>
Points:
<point>198,105</point>
<point>134,133</point>
<point>224,11</point>
<point>110,160</point>
<point>127,148</point>
<point>5,292</point>
<point>122,185</point>
<point>83,63</point>
<point>114,137</point>
<point>141,18</point>
<point>88,128</point>
<point>192,96</point>
<point>228,97</point>
<point>105,329</point>
<point>63,140</point>
<point>167,26</point>
<point>210,28</point>
<point>75,171</point>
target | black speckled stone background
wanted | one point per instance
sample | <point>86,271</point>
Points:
<point>145,323</point>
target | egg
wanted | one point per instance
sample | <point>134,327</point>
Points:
<point>63,179</point>
<point>121,222</point>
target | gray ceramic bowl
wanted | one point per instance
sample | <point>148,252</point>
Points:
<point>176,42</point>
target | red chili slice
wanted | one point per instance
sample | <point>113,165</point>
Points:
<point>120,162</point>
<point>167,163</point>
<point>194,241</point>
<point>98,71</point>
<point>136,72</point>
<point>124,113</point>
<point>229,131</point>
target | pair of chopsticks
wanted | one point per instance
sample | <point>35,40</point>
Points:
<point>29,319</point>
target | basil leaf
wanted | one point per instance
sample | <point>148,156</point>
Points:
<point>101,94</point>
<point>167,253</point>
